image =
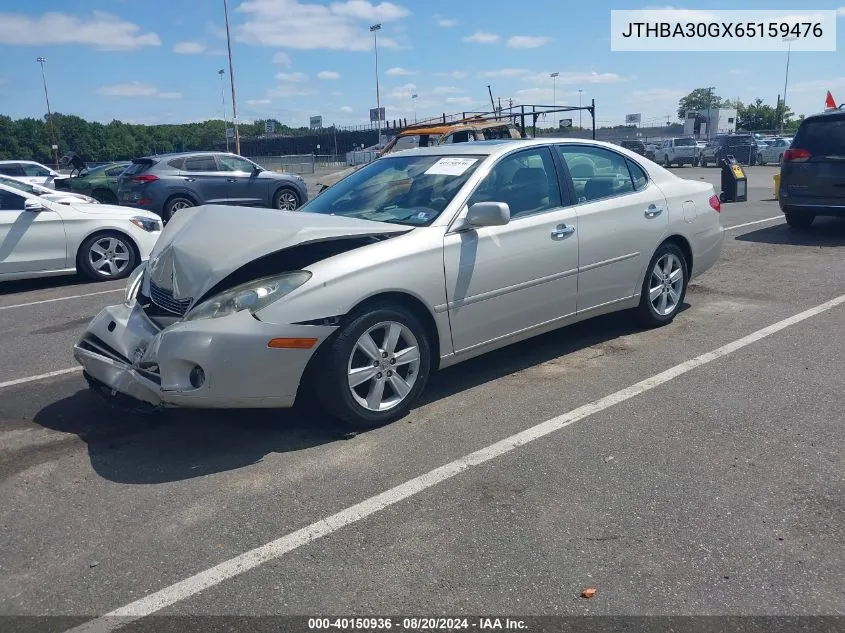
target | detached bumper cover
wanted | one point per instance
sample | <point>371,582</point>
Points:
<point>125,351</point>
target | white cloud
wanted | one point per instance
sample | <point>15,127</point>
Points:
<point>136,89</point>
<point>296,78</point>
<point>505,73</point>
<point>346,109</point>
<point>254,102</point>
<point>460,100</point>
<point>444,90</point>
<point>328,74</point>
<point>341,26</point>
<point>102,30</point>
<point>818,85</point>
<point>540,95</point>
<point>480,37</point>
<point>841,12</point>
<point>282,59</point>
<point>570,78</point>
<point>216,31</point>
<point>527,41</point>
<point>446,23</point>
<point>399,72</point>
<point>402,92</point>
<point>189,48</point>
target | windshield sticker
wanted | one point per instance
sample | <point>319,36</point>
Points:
<point>453,166</point>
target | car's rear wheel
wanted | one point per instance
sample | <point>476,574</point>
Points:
<point>798,220</point>
<point>375,368</point>
<point>105,196</point>
<point>664,286</point>
<point>286,200</point>
<point>780,160</point>
<point>760,160</point>
<point>107,256</point>
<point>666,161</point>
<point>176,204</point>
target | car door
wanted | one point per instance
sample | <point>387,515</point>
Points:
<point>622,217</point>
<point>30,241</point>
<point>242,183</point>
<point>501,280</point>
<point>202,177</point>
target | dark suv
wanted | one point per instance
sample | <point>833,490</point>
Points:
<point>743,147</point>
<point>164,184</point>
<point>812,177</point>
<point>634,146</point>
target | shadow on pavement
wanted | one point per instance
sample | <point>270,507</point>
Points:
<point>47,283</point>
<point>823,232</point>
<point>181,444</point>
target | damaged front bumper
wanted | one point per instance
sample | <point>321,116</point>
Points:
<point>211,363</point>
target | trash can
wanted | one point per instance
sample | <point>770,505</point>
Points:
<point>734,181</point>
<point>777,185</point>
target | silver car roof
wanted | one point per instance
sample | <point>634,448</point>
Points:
<point>496,147</point>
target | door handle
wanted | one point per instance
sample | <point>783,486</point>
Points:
<point>562,231</point>
<point>231,180</point>
<point>190,179</point>
<point>653,211</point>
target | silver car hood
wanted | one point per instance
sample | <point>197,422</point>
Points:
<point>201,246</point>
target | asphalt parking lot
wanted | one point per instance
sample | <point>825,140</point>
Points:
<point>716,488</point>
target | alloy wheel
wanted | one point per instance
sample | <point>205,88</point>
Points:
<point>666,285</point>
<point>109,256</point>
<point>384,366</point>
<point>288,201</point>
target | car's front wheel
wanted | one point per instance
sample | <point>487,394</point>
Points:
<point>664,286</point>
<point>286,200</point>
<point>375,368</point>
<point>107,256</point>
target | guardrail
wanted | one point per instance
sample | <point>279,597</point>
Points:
<point>293,163</point>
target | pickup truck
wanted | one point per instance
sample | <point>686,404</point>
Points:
<point>677,151</point>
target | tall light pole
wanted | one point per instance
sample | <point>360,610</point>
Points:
<point>579,110</point>
<point>374,29</point>
<point>222,72</point>
<point>41,61</point>
<point>782,118</point>
<point>554,77</point>
<point>232,79</point>
<point>414,98</point>
<point>710,90</point>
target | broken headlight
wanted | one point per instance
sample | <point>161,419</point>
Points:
<point>252,296</point>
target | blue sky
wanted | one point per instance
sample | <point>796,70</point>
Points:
<point>156,61</point>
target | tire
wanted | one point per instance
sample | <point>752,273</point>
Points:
<point>104,196</point>
<point>286,199</point>
<point>175,204</point>
<point>107,256</point>
<point>780,160</point>
<point>702,161</point>
<point>342,354</point>
<point>760,160</point>
<point>672,290</point>
<point>798,220</point>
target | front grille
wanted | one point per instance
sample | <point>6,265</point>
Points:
<point>164,299</point>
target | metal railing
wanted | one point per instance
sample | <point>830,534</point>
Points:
<point>293,163</point>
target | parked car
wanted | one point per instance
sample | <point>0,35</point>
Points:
<point>678,151</point>
<point>420,260</point>
<point>743,147</point>
<point>45,193</point>
<point>771,151</point>
<point>99,182</point>
<point>651,150</point>
<point>41,238</point>
<point>169,183</point>
<point>812,175</point>
<point>29,171</point>
<point>634,146</point>
<point>464,131</point>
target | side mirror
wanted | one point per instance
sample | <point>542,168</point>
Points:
<point>33,206</point>
<point>485,214</point>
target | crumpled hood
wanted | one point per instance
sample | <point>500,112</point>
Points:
<point>201,246</point>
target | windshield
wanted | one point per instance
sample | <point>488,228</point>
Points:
<point>683,142</point>
<point>410,190</point>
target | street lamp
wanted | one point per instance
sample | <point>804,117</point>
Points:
<point>55,148</point>
<point>374,29</point>
<point>710,90</point>
<point>786,80</point>
<point>232,79</point>
<point>579,108</point>
<point>414,98</point>
<point>554,77</point>
<point>222,72</point>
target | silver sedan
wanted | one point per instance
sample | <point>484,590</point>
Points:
<point>416,262</point>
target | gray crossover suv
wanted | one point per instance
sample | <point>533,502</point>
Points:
<point>166,183</point>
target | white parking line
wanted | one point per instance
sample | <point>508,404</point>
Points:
<point>203,580</point>
<point>49,374</point>
<point>739,226</point>
<point>35,303</point>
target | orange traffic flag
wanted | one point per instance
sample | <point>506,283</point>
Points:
<point>829,103</point>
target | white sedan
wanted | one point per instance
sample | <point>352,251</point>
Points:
<point>40,238</point>
<point>45,193</point>
<point>30,171</point>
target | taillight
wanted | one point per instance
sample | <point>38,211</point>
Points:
<point>715,203</point>
<point>795,155</point>
<point>145,178</point>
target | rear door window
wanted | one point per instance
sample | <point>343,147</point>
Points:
<point>822,137</point>
<point>115,171</point>
<point>177,163</point>
<point>200,163</point>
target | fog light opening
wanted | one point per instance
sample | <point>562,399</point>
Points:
<point>197,377</point>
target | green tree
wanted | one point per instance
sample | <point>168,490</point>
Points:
<point>698,99</point>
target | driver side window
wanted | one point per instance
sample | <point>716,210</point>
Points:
<point>11,201</point>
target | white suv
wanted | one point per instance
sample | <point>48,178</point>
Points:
<point>677,151</point>
<point>29,171</point>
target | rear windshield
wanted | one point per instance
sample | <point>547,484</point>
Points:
<point>683,142</point>
<point>137,168</point>
<point>825,137</point>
